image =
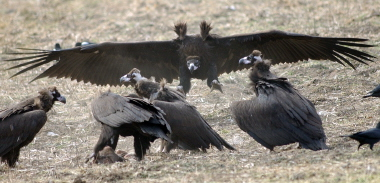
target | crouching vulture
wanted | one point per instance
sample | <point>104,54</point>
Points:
<point>20,123</point>
<point>279,114</point>
<point>190,131</point>
<point>201,56</point>
<point>371,136</point>
<point>127,116</point>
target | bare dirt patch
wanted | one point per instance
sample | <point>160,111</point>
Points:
<point>335,90</point>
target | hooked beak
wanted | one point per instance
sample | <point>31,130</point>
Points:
<point>244,61</point>
<point>125,79</point>
<point>191,68</point>
<point>62,99</point>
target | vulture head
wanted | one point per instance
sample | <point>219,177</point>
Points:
<point>132,77</point>
<point>252,58</point>
<point>53,94</point>
<point>193,63</point>
<point>260,67</point>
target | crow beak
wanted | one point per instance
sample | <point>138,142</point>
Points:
<point>62,99</point>
<point>125,79</point>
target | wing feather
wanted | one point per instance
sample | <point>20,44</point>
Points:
<point>20,129</point>
<point>284,47</point>
<point>104,63</point>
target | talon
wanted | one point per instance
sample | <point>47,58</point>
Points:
<point>88,158</point>
<point>215,85</point>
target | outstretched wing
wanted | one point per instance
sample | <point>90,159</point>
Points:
<point>278,117</point>
<point>115,110</point>
<point>105,63</point>
<point>284,47</point>
<point>20,129</point>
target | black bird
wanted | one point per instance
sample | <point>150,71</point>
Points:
<point>201,56</point>
<point>20,123</point>
<point>279,114</point>
<point>57,47</point>
<point>371,136</point>
<point>374,93</point>
<point>190,131</point>
<point>127,116</point>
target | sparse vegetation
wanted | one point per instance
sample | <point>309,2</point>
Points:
<point>335,90</point>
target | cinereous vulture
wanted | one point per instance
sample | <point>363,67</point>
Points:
<point>201,56</point>
<point>371,136</point>
<point>127,116</point>
<point>190,131</point>
<point>279,114</point>
<point>20,123</point>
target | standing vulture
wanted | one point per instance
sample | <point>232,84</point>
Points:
<point>371,136</point>
<point>279,114</point>
<point>190,131</point>
<point>127,116</point>
<point>20,123</point>
<point>201,56</point>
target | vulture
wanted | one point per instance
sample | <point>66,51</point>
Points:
<point>190,131</point>
<point>128,116</point>
<point>20,123</point>
<point>371,136</point>
<point>374,93</point>
<point>202,56</point>
<point>279,114</point>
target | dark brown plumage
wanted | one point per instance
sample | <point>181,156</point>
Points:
<point>212,55</point>
<point>126,116</point>
<point>279,114</point>
<point>20,123</point>
<point>190,131</point>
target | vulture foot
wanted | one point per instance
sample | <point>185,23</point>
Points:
<point>215,85</point>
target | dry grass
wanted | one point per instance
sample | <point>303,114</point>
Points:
<point>335,90</point>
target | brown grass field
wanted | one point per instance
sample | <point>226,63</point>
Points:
<point>335,90</point>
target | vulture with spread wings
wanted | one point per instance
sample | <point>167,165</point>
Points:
<point>20,123</point>
<point>201,56</point>
<point>127,116</point>
<point>279,114</point>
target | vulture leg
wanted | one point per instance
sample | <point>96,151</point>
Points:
<point>212,80</point>
<point>360,145</point>
<point>108,137</point>
<point>141,144</point>
<point>371,146</point>
<point>184,78</point>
